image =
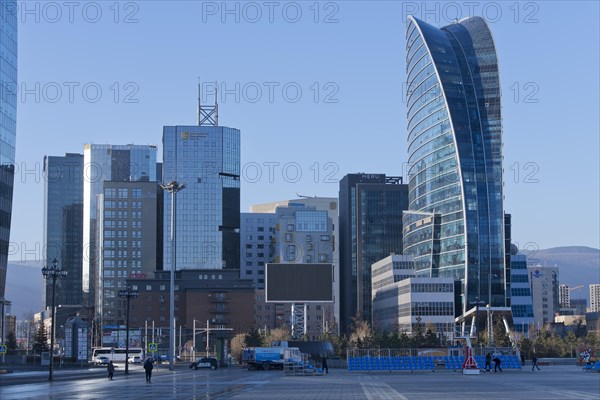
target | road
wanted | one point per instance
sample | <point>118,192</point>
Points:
<point>552,383</point>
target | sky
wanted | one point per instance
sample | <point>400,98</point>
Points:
<point>317,90</point>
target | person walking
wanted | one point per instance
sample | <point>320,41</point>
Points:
<point>534,361</point>
<point>324,364</point>
<point>111,370</point>
<point>497,362</point>
<point>148,366</point>
<point>488,362</point>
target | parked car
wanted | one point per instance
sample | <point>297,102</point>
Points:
<point>135,360</point>
<point>205,362</point>
<point>101,360</point>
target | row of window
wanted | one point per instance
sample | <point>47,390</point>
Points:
<point>122,193</point>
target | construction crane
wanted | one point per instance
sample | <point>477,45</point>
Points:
<point>574,288</point>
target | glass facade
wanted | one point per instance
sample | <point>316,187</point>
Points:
<point>207,160</point>
<point>8,125</point>
<point>371,207</point>
<point>63,225</point>
<point>106,162</point>
<point>455,156</point>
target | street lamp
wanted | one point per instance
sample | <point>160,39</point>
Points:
<point>128,294</point>
<point>53,273</point>
<point>172,187</point>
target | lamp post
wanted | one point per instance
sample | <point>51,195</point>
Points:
<point>172,187</point>
<point>128,294</point>
<point>53,272</point>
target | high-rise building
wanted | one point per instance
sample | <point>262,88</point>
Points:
<point>595,297</point>
<point>371,207</point>
<point>106,162</point>
<point>207,160</point>
<point>8,127</point>
<point>129,222</point>
<point>455,159</point>
<point>63,225</point>
<point>521,304</point>
<point>564,296</point>
<point>544,293</point>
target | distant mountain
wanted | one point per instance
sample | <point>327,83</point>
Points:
<point>24,287</point>
<point>577,265</point>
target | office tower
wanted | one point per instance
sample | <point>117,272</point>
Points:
<point>106,162</point>
<point>206,159</point>
<point>564,296</point>
<point>544,293</point>
<point>130,225</point>
<point>8,128</point>
<point>455,159</point>
<point>63,226</point>
<point>330,205</point>
<point>521,299</point>
<point>257,232</point>
<point>595,297</point>
<point>371,207</point>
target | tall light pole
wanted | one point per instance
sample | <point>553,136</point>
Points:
<point>172,187</point>
<point>53,273</point>
<point>128,294</point>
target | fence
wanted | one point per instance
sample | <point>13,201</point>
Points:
<point>412,360</point>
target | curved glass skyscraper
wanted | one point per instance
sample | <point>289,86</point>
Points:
<point>455,223</point>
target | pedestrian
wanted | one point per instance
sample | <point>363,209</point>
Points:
<point>111,370</point>
<point>324,364</point>
<point>148,366</point>
<point>497,362</point>
<point>488,362</point>
<point>534,361</point>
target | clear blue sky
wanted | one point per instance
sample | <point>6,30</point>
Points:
<point>549,63</point>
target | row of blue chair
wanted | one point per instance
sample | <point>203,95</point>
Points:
<point>423,363</point>
<point>593,366</point>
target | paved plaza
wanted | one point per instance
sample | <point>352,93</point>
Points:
<point>553,382</point>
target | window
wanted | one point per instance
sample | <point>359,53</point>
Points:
<point>162,287</point>
<point>324,238</point>
<point>290,228</point>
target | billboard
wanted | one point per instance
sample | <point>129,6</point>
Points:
<point>298,283</point>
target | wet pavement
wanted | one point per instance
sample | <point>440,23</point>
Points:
<point>552,383</point>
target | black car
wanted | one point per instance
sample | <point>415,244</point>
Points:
<point>205,362</point>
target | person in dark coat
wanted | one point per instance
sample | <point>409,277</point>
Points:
<point>111,370</point>
<point>148,366</point>
<point>497,362</point>
<point>488,362</point>
<point>534,361</point>
<point>324,364</point>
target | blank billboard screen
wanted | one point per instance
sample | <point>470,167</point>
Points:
<point>298,283</point>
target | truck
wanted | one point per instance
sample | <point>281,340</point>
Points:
<point>266,358</point>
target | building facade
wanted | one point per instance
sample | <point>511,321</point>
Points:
<point>207,160</point>
<point>371,207</point>
<point>8,128</point>
<point>522,303</point>
<point>257,245</point>
<point>115,163</point>
<point>63,226</point>
<point>564,296</point>
<point>401,301</point>
<point>281,313</point>
<point>544,293</point>
<point>130,224</point>
<point>595,297</point>
<point>217,296</point>
<point>455,157</point>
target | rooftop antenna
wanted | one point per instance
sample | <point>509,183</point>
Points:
<point>208,115</point>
